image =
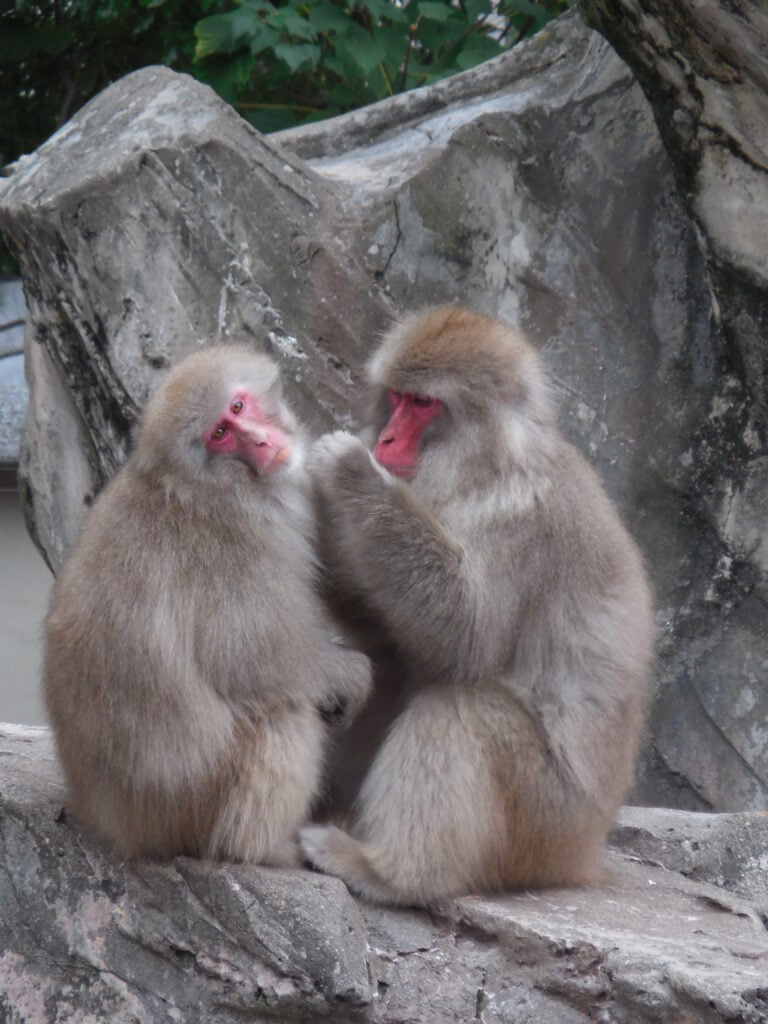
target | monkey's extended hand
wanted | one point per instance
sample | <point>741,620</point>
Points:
<point>383,542</point>
<point>341,454</point>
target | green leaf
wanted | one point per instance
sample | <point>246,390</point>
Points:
<point>327,18</point>
<point>477,8</point>
<point>382,10</point>
<point>435,11</point>
<point>364,49</point>
<point>266,38</point>
<point>225,33</point>
<point>477,49</point>
<point>398,15</point>
<point>291,23</point>
<point>228,78</point>
<point>393,41</point>
<point>442,41</point>
<point>297,54</point>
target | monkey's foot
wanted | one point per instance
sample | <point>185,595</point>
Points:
<point>335,852</point>
<point>316,843</point>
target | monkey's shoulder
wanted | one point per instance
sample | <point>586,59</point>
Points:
<point>144,533</point>
<point>583,527</point>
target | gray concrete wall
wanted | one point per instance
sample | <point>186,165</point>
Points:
<point>25,582</point>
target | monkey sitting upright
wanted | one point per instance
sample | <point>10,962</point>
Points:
<point>516,618</point>
<point>186,651</point>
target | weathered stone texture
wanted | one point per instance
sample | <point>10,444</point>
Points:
<point>704,68</point>
<point>86,938</point>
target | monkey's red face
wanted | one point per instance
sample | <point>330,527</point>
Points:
<point>397,448</point>
<point>244,432</point>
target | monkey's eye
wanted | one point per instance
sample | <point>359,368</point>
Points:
<point>394,397</point>
<point>237,406</point>
<point>423,401</point>
<point>218,433</point>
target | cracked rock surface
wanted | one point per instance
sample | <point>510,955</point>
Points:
<point>704,67</point>
<point>84,937</point>
<point>543,187</point>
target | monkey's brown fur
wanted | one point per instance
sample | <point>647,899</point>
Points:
<point>186,650</point>
<point>519,621</point>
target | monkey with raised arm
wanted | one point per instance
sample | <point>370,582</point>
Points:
<point>187,653</point>
<point>516,614</point>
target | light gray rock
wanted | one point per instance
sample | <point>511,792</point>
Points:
<point>83,937</point>
<point>86,938</point>
<point>704,67</point>
<point>13,387</point>
<point>536,187</point>
<point>730,851</point>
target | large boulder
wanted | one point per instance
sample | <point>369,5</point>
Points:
<point>673,934</point>
<point>536,187</point>
<point>704,67</point>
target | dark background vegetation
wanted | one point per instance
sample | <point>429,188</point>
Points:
<point>279,62</point>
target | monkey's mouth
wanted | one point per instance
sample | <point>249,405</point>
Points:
<point>281,455</point>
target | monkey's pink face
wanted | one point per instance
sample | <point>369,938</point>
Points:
<point>397,448</point>
<point>244,432</point>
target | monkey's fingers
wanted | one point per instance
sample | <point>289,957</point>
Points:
<point>334,714</point>
<point>328,450</point>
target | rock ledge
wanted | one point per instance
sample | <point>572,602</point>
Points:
<point>676,933</point>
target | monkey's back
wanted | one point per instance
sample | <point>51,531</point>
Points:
<point>584,638</point>
<point>160,630</point>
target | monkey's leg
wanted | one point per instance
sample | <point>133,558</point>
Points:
<point>463,796</point>
<point>430,821</point>
<point>275,779</point>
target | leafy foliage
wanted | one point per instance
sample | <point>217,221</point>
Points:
<point>279,62</point>
<point>287,61</point>
<point>56,54</point>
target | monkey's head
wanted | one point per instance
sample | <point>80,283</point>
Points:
<point>219,414</point>
<point>447,374</point>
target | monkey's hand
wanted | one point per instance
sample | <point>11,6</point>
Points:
<point>334,712</point>
<point>348,678</point>
<point>332,451</point>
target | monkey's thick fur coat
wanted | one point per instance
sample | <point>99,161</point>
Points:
<point>187,650</point>
<point>513,678</point>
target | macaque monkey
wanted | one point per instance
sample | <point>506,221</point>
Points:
<point>516,612</point>
<point>187,653</point>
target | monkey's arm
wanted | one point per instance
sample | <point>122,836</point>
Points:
<point>346,682</point>
<point>395,552</point>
